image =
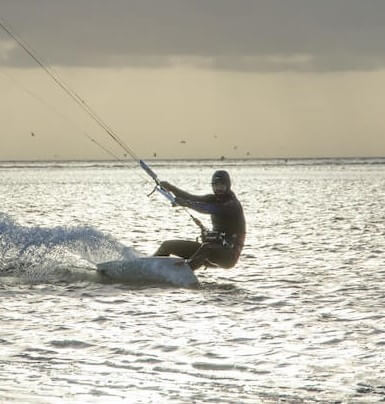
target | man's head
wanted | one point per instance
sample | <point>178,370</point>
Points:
<point>221,182</point>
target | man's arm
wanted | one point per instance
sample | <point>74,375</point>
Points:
<point>179,193</point>
<point>205,205</point>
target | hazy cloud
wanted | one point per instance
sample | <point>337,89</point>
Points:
<point>243,35</point>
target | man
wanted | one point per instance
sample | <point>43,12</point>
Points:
<point>222,246</point>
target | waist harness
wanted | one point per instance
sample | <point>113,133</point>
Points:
<point>218,238</point>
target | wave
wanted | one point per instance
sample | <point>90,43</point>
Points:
<point>229,162</point>
<point>43,254</point>
<point>11,165</point>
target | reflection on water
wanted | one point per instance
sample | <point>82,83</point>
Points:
<point>300,319</point>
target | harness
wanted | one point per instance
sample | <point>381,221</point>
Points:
<point>220,238</point>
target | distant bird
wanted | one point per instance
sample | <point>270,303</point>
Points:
<point>183,142</point>
<point>32,134</point>
<point>154,155</point>
<point>235,147</point>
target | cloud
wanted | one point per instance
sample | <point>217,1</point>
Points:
<point>239,35</point>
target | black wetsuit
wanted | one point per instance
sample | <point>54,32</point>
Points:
<point>227,218</point>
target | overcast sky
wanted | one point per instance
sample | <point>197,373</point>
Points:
<point>230,34</point>
<point>199,69</point>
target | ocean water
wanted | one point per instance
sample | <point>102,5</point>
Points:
<point>300,319</point>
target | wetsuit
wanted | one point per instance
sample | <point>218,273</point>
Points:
<point>228,224</point>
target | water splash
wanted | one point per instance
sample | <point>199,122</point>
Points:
<point>41,253</point>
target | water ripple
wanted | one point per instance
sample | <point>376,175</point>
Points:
<point>299,320</point>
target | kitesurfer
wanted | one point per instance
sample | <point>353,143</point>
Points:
<point>223,245</point>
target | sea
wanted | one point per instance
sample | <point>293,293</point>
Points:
<point>299,319</point>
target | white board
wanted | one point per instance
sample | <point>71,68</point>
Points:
<point>158,270</point>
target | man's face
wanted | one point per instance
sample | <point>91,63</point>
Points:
<point>219,187</point>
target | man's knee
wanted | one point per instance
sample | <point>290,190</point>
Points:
<point>164,249</point>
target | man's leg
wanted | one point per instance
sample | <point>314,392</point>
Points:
<point>180,248</point>
<point>214,253</point>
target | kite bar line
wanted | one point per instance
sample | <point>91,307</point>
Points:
<point>68,90</point>
<point>86,108</point>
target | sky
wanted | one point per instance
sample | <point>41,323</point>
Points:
<point>194,78</point>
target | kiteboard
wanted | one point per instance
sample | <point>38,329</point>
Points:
<point>150,270</point>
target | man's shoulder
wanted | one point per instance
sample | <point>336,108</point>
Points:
<point>233,197</point>
<point>235,203</point>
